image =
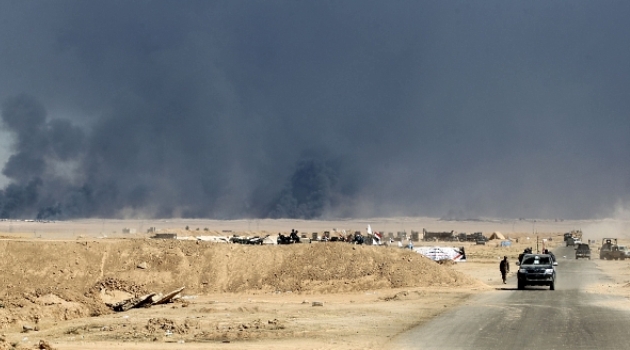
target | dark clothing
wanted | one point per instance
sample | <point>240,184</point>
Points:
<point>504,266</point>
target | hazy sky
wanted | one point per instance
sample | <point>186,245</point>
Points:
<point>231,109</point>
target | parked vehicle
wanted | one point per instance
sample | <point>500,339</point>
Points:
<point>257,240</point>
<point>248,240</point>
<point>625,250</point>
<point>583,251</point>
<point>537,270</point>
<point>290,239</point>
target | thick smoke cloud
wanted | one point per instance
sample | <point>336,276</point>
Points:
<point>314,109</point>
<point>41,148</point>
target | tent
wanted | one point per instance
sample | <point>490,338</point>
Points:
<point>497,235</point>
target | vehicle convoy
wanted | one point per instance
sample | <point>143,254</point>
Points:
<point>576,234</point>
<point>537,270</point>
<point>610,250</point>
<point>583,251</point>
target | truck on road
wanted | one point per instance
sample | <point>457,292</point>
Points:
<point>583,251</point>
<point>610,250</point>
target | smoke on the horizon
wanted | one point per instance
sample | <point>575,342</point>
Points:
<point>314,109</point>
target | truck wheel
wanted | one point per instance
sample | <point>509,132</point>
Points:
<point>552,286</point>
<point>520,285</point>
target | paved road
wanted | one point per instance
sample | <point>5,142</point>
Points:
<point>535,318</point>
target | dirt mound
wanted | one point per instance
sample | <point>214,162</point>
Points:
<point>111,283</point>
<point>64,280</point>
<point>166,325</point>
<point>4,345</point>
<point>339,267</point>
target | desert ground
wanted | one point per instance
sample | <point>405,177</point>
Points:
<point>58,279</point>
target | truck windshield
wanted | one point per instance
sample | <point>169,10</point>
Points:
<point>535,260</point>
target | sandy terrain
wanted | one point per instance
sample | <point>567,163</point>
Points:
<point>618,273</point>
<point>307,296</point>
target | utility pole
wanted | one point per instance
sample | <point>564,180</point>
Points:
<point>534,227</point>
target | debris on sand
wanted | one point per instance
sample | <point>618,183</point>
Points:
<point>146,300</point>
<point>44,345</point>
<point>169,296</point>
<point>133,302</point>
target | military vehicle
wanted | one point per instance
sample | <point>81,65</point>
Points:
<point>610,250</point>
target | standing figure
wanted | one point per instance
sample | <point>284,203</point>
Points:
<point>504,266</point>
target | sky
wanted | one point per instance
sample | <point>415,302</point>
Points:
<point>314,109</point>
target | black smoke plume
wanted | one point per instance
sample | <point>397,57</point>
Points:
<point>312,109</point>
<point>42,146</point>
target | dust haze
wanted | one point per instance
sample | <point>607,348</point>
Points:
<point>280,109</point>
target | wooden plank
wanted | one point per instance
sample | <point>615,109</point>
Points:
<point>133,302</point>
<point>168,296</point>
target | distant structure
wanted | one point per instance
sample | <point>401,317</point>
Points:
<point>165,236</point>
<point>437,236</point>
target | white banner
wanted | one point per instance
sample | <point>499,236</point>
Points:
<point>442,253</point>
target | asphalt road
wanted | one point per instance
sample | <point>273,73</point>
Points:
<point>534,318</point>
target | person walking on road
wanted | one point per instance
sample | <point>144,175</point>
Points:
<point>504,266</point>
